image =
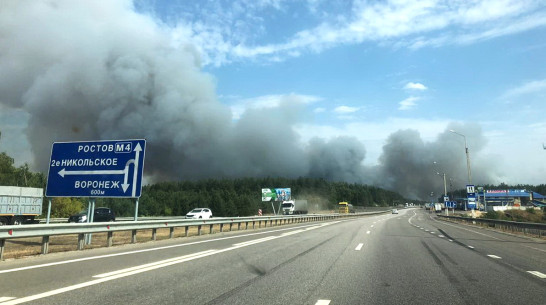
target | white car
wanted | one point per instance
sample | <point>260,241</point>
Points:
<point>394,211</point>
<point>200,213</point>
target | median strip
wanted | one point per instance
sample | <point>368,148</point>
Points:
<point>151,249</point>
<point>101,278</point>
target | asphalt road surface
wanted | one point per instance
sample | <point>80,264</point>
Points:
<point>406,258</point>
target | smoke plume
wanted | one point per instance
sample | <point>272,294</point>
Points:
<point>98,70</point>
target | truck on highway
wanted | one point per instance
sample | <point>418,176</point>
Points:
<point>346,208</point>
<point>20,205</point>
<point>291,207</point>
<point>438,207</point>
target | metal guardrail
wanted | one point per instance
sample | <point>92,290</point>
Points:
<point>47,230</point>
<point>122,218</point>
<point>527,228</point>
<point>143,218</point>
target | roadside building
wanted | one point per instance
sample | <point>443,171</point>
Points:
<point>514,198</point>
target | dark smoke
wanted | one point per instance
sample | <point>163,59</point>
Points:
<point>408,166</point>
<point>98,70</point>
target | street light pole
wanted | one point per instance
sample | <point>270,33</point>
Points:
<point>445,189</point>
<point>467,156</point>
<point>445,184</point>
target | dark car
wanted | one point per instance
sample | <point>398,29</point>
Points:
<point>100,215</point>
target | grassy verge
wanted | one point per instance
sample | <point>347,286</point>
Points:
<point>529,215</point>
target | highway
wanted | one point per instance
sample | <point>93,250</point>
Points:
<point>406,258</point>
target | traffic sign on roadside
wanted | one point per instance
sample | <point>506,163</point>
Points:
<point>96,169</point>
<point>471,196</point>
<point>451,204</point>
<point>471,190</point>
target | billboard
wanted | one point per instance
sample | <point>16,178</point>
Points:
<point>276,194</point>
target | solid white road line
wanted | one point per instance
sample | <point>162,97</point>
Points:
<point>148,250</point>
<point>255,241</point>
<point>494,256</point>
<point>534,248</point>
<point>359,247</point>
<point>460,227</point>
<point>3,299</point>
<point>291,232</point>
<point>323,302</point>
<point>178,259</point>
<point>539,274</point>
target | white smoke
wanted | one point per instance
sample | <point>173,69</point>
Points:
<point>89,70</point>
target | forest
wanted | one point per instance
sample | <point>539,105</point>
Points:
<point>226,197</point>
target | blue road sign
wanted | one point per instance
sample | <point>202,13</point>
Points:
<point>451,204</point>
<point>96,169</point>
<point>471,196</point>
<point>471,191</point>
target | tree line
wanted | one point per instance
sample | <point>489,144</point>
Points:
<point>226,197</point>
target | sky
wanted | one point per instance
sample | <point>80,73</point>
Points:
<point>369,68</point>
<point>366,70</point>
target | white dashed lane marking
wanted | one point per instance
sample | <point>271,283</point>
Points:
<point>494,256</point>
<point>359,247</point>
<point>539,274</point>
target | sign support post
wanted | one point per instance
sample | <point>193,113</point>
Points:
<point>136,209</point>
<point>48,211</point>
<point>91,217</point>
<point>273,207</point>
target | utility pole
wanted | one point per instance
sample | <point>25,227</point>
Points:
<point>445,191</point>
<point>467,156</point>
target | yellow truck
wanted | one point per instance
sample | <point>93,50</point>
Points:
<point>346,208</point>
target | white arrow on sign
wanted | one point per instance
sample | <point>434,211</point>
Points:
<point>137,151</point>
<point>63,172</point>
<point>125,185</point>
